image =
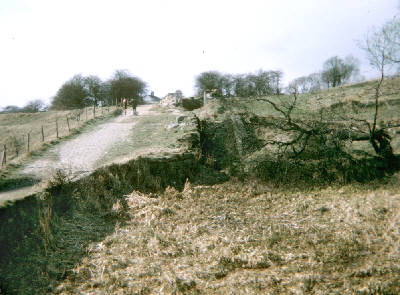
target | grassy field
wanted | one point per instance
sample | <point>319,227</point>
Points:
<point>155,134</point>
<point>361,94</point>
<point>15,127</point>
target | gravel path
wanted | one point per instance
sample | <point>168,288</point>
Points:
<point>84,153</point>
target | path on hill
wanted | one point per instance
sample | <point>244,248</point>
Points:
<point>83,154</point>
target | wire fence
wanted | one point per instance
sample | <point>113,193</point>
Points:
<point>21,139</point>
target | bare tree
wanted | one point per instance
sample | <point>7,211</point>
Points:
<point>123,84</point>
<point>277,79</point>
<point>299,85</point>
<point>34,106</point>
<point>306,84</point>
<point>93,88</point>
<point>320,136</point>
<point>227,82</point>
<point>321,139</point>
<point>208,81</point>
<point>380,51</point>
<point>11,109</point>
<point>326,134</point>
<point>243,85</point>
<point>337,71</point>
<point>72,94</point>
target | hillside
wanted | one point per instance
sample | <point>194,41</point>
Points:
<point>255,123</point>
<point>16,126</point>
<point>153,131</point>
<point>359,95</point>
<point>28,136</point>
<point>201,203</point>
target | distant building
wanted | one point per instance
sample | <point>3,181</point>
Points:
<point>151,99</point>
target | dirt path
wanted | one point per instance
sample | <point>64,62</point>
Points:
<point>82,154</point>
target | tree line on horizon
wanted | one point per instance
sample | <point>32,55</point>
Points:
<point>335,72</point>
<point>79,92</point>
<point>243,85</point>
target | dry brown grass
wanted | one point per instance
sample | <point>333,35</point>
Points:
<point>246,238</point>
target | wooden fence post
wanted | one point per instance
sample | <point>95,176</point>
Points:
<point>4,160</point>
<point>42,134</point>
<point>94,111</point>
<point>57,128</point>
<point>69,129</point>
<point>86,112</point>
<point>28,147</point>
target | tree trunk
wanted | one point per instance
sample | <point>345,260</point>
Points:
<point>380,141</point>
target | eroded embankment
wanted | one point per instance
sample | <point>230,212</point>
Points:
<point>39,240</point>
<point>226,143</point>
<point>44,235</point>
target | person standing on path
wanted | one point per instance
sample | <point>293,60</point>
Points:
<point>134,105</point>
<point>124,104</point>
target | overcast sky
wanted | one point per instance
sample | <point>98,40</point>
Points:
<point>43,43</point>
